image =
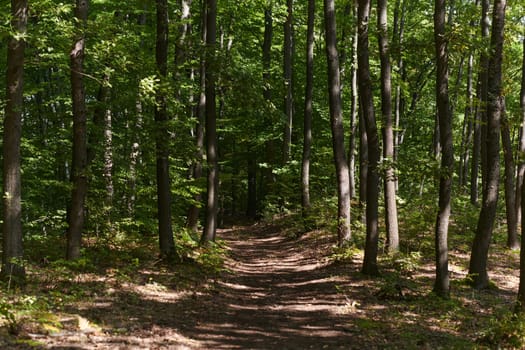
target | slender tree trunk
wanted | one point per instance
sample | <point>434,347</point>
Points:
<point>166,241</point>
<point>480,246</point>
<point>521,292</point>
<point>367,109</point>
<point>336,122</point>
<point>212,203</point>
<point>398,35</point>
<point>192,221</point>
<point>484,86</point>
<point>468,122</point>
<point>442,284</point>
<point>510,194</point>
<point>354,112</point>
<point>288,80</point>
<point>12,242</point>
<point>308,109</point>
<point>79,165</point>
<point>392,230</point>
<point>521,164</point>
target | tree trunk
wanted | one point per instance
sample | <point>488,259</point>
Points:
<point>466,143</point>
<point>192,220</point>
<point>12,243</point>
<point>367,109</point>
<point>521,292</point>
<point>480,246</point>
<point>212,203</point>
<point>442,284</point>
<point>288,80</point>
<point>79,165</point>
<point>166,241</point>
<point>521,164</point>
<point>336,123</point>
<point>510,195</point>
<point>354,113</point>
<point>308,109</point>
<point>392,230</point>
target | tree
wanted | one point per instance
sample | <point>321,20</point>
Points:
<point>521,290</point>
<point>288,80</point>
<point>367,110</point>
<point>392,230</point>
<point>441,284</point>
<point>166,241</point>
<point>521,150</point>
<point>336,124</point>
<point>12,199</point>
<point>308,108</point>
<point>510,191</point>
<point>79,164</point>
<point>480,246</point>
<point>211,126</point>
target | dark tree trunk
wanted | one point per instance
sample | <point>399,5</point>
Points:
<point>12,242</point>
<point>442,284</point>
<point>336,122</point>
<point>480,246</point>
<point>288,80</point>
<point>212,203</point>
<point>79,165</point>
<point>308,109</point>
<point>391,223</point>
<point>166,241</point>
<point>367,109</point>
<point>510,194</point>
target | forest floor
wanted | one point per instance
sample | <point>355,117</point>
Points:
<point>278,290</point>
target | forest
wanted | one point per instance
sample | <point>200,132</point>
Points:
<point>262,174</point>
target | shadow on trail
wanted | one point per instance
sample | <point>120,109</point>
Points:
<point>277,293</point>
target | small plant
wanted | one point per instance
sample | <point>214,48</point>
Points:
<point>508,331</point>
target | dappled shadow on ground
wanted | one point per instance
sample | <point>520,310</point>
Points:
<point>277,293</point>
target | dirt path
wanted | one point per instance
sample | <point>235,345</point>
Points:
<point>277,293</point>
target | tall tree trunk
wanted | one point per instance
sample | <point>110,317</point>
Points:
<point>212,202</point>
<point>398,35</point>
<point>480,246</point>
<point>12,242</point>
<point>442,284</point>
<point>79,165</point>
<point>392,230</point>
<point>521,164</point>
<point>521,291</point>
<point>288,80</point>
<point>354,112</point>
<point>510,194</point>
<point>336,123</point>
<point>367,109</point>
<point>308,109</point>
<point>166,241</point>
<point>192,220</point>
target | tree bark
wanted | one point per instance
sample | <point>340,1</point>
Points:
<point>336,123</point>
<point>166,241</point>
<point>442,284</point>
<point>192,220</point>
<point>288,81</point>
<point>79,165</point>
<point>391,223</point>
<point>521,164</point>
<point>480,246</point>
<point>510,194</point>
<point>521,291</point>
<point>308,109</point>
<point>354,112</point>
<point>367,109</point>
<point>12,242</point>
<point>212,202</point>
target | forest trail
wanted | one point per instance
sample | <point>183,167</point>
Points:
<point>276,293</point>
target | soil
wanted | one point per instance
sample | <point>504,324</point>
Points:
<point>278,291</point>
